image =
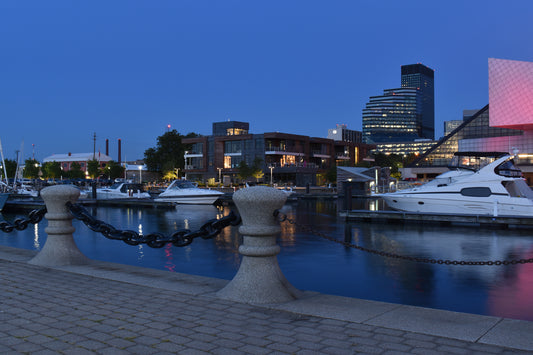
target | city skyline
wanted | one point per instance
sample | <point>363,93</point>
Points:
<point>125,70</point>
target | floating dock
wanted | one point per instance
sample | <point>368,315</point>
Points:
<point>442,219</point>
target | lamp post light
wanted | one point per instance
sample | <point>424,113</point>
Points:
<point>140,174</point>
<point>271,175</point>
<point>219,174</point>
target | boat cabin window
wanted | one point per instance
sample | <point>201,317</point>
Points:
<point>470,162</point>
<point>476,191</point>
<point>508,169</point>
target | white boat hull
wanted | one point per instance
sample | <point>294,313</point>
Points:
<point>435,203</point>
<point>190,200</point>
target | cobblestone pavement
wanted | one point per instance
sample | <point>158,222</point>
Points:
<point>47,311</point>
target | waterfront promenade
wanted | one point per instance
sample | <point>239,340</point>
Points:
<point>109,308</point>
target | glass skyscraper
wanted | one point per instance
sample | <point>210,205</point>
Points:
<point>404,114</point>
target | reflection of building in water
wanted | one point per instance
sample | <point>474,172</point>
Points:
<point>169,264</point>
<point>516,286</point>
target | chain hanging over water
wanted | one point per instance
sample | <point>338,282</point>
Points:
<point>20,224</point>
<point>283,217</point>
<point>180,238</point>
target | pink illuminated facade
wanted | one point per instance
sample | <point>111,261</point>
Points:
<point>511,94</point>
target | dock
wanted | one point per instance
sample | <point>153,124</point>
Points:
<point>32,204</point>
<point>433,218</point>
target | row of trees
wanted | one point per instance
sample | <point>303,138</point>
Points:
<point>52,170</point>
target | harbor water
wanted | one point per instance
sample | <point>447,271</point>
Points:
<point>313,263</point>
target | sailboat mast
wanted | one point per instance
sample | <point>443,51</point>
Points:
<point>3,162</point>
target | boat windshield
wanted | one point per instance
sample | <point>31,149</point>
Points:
<point>183,185</point>
<point>115,186</point>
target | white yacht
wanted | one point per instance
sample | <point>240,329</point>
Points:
<point>477,183</point>
<point>186,192</point>
<point>121,190</point>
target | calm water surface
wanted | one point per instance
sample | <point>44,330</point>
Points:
<point>312,263</point>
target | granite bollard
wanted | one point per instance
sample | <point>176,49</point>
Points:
<point>259,278</point>
<point>60,248</point>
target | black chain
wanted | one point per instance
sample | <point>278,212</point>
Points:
<point>180,238</point>
<point>20,224</point>
<point>283,217</point>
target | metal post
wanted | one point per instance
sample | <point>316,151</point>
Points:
<point>60,248</point>
<point>348,196</point>
<point>259,279</point>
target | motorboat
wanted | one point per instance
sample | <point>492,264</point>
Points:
<point>121,190</point>
<point>187,192</point>
<point>476,184</point>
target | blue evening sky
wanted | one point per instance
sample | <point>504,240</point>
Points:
<point>126,69</point>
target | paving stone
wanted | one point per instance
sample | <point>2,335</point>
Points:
<point>52,311</point>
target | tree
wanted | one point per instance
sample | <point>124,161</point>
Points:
<point>168,154</point>
<point>170,175</point>
<point>11,168</point>
<point>257,172</point>
<point>244,170</point>
<point>31,169</point>
<point>331,174</point>
<point>114,170</point>
<point>51,170</point>
<point>93,168</point>
<point>75,171</point>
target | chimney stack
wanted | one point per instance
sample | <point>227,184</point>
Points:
<point>119,151</point>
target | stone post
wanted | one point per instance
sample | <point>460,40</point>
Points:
<point>259,278</point>
<point>60,248</point>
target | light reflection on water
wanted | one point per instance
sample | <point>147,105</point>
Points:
<point>312,263</point>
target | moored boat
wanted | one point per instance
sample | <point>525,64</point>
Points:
<point>186,192</point>
<point>122,190</point>
<point>477,183</point>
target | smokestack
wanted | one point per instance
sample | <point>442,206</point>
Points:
<point>119,151</point>
<point>107,147</point>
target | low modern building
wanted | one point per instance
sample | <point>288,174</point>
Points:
<point>66,160</point>
<point>284,158</point>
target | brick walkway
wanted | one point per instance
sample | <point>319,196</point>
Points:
<point>49,311</point>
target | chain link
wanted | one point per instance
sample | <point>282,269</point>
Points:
<point>180,238</point>
<point>20,224</point>
<point>283,217</point>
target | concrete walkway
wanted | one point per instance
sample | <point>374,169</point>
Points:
<point>116,309</point>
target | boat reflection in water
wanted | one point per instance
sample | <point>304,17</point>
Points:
<point>312,263</point>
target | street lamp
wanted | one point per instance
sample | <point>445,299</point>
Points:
<point>271,178</point>
<point>140,174</point>
<point>219,174</point>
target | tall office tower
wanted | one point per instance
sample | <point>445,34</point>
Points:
<point>392,117</point>
<point>404,114</point>
<point>422,78</point>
